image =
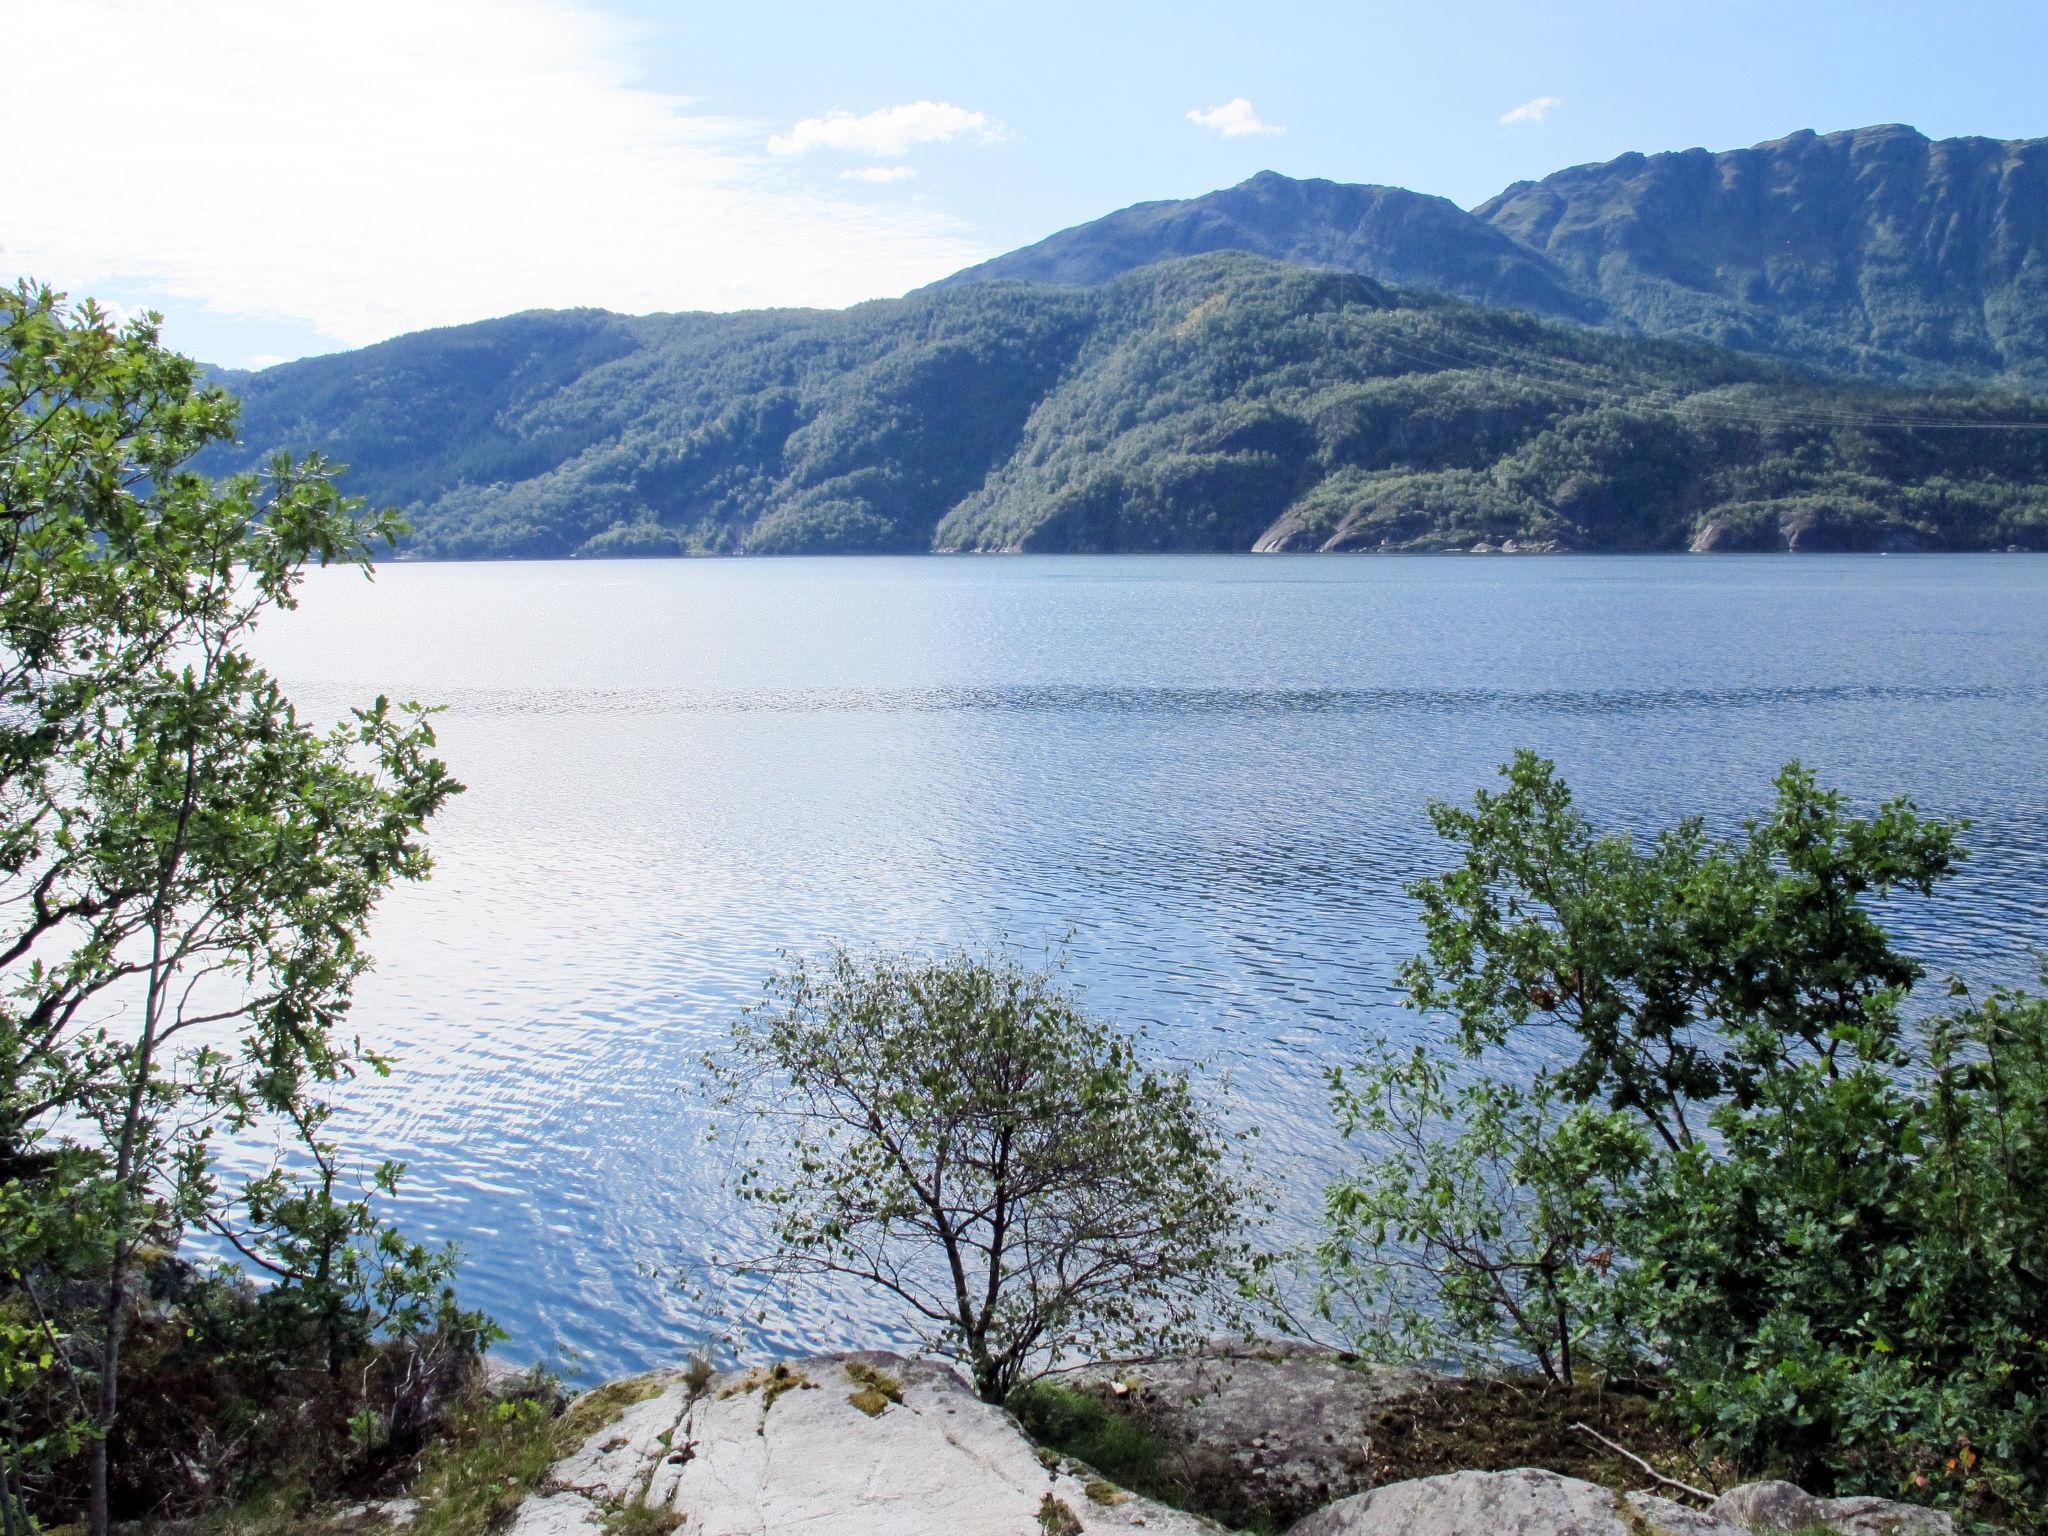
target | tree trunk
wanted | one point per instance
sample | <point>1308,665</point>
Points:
<point>988,1377</point>
<point>160,967</point>
<point>110,1378</point>
<point>117,1270</point>
<point>7,1521</point>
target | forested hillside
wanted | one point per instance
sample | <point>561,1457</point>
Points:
<point>1214,403</point>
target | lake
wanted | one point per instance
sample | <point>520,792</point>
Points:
<point>1204,777</point>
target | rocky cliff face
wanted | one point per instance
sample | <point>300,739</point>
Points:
<point>1876,250</point>
<point>867,1443</point>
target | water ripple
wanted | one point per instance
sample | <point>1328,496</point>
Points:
<point>1203,780</point>
<point>1253,703</point>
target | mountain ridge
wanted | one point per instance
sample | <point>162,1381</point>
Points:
<point>1873,251</point>
<point>1727,350</point>
<point>1385,233</point>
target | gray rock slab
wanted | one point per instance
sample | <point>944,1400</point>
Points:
<point>1775,1507</point>
<point>1290,1417</point>
<point>1520,1503</point>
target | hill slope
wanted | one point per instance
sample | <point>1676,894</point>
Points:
<point>1876,251</point>
<point>1213,403</point>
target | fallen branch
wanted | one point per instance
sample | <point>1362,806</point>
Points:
<point>1623,1451</point>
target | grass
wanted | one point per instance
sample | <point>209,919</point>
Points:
<point>289,1510</point>
<point>477,1477</point>
<point>877,1389</point>
<point>1082,1426</point>
<point>500,1452</point>
<point>1495,1424</point>
<point>641,1520</point>
<point>1105,1493</point>
<point>471,1480</point>
<point>603,1405</point>
<point>1128,1455</point>
<point>771,1383</point>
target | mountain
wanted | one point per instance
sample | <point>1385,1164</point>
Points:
<point>1877,252</point>
<point>1216,402</point>
<point>1385,233</point>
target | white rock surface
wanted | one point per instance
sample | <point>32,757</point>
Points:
<point>1520,1503</point>
<point>733,1462</point>
<point>1775,1507</point>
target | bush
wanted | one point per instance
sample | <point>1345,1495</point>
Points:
<point>1738,1173</point>
<point>1853,1286</point>
<point>1427,1259</point>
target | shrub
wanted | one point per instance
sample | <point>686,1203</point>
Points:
<point>1738,1171</point>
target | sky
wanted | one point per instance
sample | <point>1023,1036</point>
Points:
<point>288,177</point>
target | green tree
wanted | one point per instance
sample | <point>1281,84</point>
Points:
<point>1485,1220</point>
<point>1686,1131</point>
<point>1664,978</point>
<point>186,867</point>
<point>960,1135</point>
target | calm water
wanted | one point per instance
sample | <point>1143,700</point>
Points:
<point>1208,772</point>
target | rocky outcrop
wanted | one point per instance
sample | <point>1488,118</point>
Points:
<point>1770,1508</point>
<point>1284,1421</point>
<point>1528,1502</point>
<point>887,1446</point>
<point>1520,1503</point>
<point>868,1443</point>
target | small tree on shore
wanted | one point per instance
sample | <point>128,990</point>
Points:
<point>1484,1222</point>
<point>960,1135</point>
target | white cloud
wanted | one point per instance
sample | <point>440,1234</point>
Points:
<point>1533,113</point>
<point>116,312</point>
<point>385,165</point>
<point>879,173</point>
<point>889,131</point>
<point>1234,119</point>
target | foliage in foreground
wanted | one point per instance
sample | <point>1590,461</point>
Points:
<point>187,871</point>
<point>958,1134</point>
<point>1686,1135</point>
<point>1127,1452</point>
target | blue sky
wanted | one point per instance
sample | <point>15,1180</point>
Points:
<point>283,177</point>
